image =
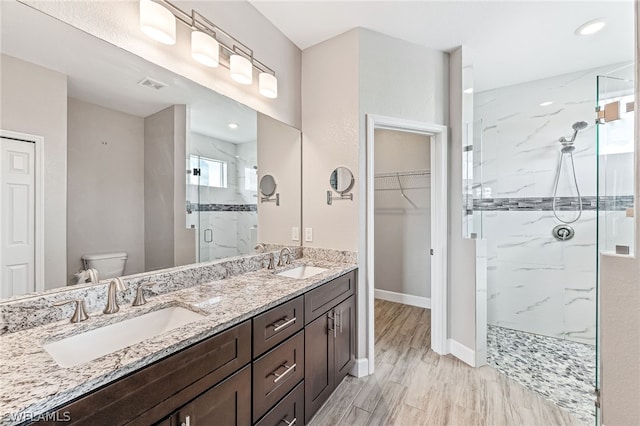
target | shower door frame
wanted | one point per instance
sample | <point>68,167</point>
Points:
<point>439,227</point>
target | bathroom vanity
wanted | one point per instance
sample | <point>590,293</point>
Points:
<point>274,360</point>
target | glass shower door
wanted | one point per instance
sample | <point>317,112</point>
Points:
<point>615,174</point>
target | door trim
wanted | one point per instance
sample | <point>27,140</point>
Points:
<point>39,201</point>
<point>439,227</point>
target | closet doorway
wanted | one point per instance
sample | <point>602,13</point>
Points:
<point>406,239</point>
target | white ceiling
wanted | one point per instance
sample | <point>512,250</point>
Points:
<point>105,75</point>
<point>511,41</point>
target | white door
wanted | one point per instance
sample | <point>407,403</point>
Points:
<point>17,217</point>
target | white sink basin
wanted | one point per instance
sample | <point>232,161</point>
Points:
<point>81,348</point>
<point>302,272</point>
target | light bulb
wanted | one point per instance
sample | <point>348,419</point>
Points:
<point>157,22</point>
<point>241,69</point>
<point>205,49</point>
<point>268,85</point>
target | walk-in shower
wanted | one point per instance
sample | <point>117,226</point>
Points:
<point>526,180</point>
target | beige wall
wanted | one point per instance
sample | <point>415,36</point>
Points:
<point>105,154</point>
<point>118,23</point>
<point>279,155</point>
<point>402,231</point>
<point>330,105</point>
<point>343,79</point>
<point>34,101</point>
<point>168,242</point>
<point>620,310</point>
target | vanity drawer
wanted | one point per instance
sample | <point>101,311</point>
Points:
<point>290,409</point>
<point>276,373</point>
<point>321,299</point>
<point>276,325</point>
<point>152,393</point>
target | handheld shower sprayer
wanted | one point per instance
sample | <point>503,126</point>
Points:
<point>568,148</point>
<point>577,126</point>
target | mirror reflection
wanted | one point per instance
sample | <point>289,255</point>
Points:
<point>341,180</point>
<point>267,185</point>
<point>134,168</point>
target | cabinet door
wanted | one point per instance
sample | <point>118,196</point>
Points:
<point>226,404</point>
<point>319,364</point>
<point>345,315</point>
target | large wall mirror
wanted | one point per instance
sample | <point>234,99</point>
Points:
<point>128,158</point>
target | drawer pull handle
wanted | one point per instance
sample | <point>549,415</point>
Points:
<point>285,324</point>
<point>287,371</point>
<point>291,423</point>
<point>332,318</point>
<point>340,313</point>
<point>187,421</point>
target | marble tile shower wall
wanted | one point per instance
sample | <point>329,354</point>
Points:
<point>228,214</point>
<point>536,283</point>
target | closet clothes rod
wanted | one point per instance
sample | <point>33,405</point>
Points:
<point>401,181</point>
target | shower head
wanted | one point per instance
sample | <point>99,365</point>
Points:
<point>577,126</point>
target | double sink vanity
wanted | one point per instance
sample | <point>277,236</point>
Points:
<point>261,346</point>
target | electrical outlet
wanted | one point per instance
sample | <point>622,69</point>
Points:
<point>295,233</point>
<point>308,234</point>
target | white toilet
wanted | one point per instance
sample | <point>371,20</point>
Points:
<point>108,265</point>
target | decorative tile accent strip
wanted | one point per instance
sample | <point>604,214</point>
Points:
<point>560,370</point>
<point>195,207</point>
<point>608,203</point>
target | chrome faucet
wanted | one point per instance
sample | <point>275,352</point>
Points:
<point>112,296</point>
<point>260,248</point>
<point>285,251</point>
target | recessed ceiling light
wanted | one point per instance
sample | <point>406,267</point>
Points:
<point>546,103</point>
<point>591,27</point>
<point>233,125</point>
<point>469,90</point>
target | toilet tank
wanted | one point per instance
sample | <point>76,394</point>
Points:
<point>108,265</point>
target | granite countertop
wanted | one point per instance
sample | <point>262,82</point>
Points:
<point>32,383</point>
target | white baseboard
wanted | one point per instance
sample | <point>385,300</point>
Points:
<point>361,367</point>
<point>407,299</point>
<point>462,352</point>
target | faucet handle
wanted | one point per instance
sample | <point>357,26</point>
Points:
<point>271,261</point>
<point>140,300</point>
<point>80,314</point>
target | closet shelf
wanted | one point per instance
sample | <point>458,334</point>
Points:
<point>399,181</point>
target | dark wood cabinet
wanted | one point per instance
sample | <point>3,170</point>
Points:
<point>289,411</point>
<point>226,404</point>
<point>329,353</point>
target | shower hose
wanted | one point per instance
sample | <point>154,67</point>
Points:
<point>555,189</point>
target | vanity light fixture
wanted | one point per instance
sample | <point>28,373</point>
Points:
<point>547,103</point>
<point>210,45</point>
<point>205,49</point>
<point>157,22</point>
<point>233,125</point>
<point>591,27</point>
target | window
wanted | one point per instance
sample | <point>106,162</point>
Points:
<point>213,173</point>
<point>250,179</point>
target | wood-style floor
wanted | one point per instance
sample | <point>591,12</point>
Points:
<point>414,386</point>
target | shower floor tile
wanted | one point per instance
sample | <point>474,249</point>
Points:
<point>560,370</point>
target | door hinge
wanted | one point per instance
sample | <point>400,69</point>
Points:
<point>598,398</point>
<point>610,112</point>
<point>431,251</point>
<point>196,172</point>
